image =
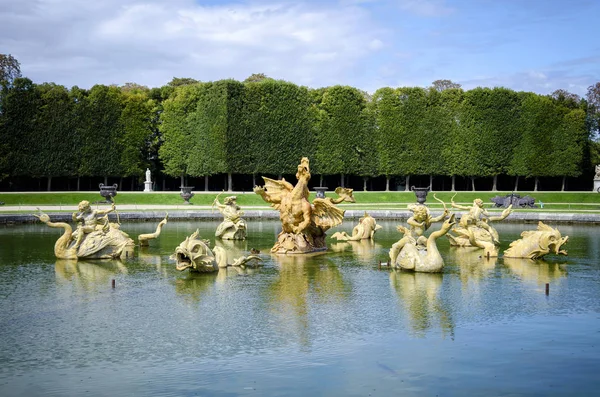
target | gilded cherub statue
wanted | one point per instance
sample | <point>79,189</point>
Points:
<point>475,224</point>
<point>303,224</point>
<point>366,228</point>
<point>422,219</point>
<point>94,237</point>
<point>233,226</point>
<point>422,254</point>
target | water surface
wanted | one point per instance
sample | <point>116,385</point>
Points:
<point>327,325</point>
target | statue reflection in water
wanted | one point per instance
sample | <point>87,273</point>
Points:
<point>365,250</point>
<point>419,294</point>
<point>537,271</point>
<point>473,264</point>
<point>301,279</point>
<point>88,275</point>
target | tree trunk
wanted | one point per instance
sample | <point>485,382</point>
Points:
<point>342,180</point>
<point>120,183</point>
<point>253,180</point>
<point>564,183</point>
<point>49,185</point>
<point>365,183</point>
<point>453,189</point>
<point>182,181</point>
<point>535,188</point>
<point>495,184</point>
<point>229,182</point>
<point>430,182</point>
<point>517,184</point>
<point>320,180</point>
<point>206,183</point>
<point>78,182</point>
<point>473,183</point>
<point>105,181</point>
<point>407,186</point>
<point>387,183</point>
<point>164,183</point>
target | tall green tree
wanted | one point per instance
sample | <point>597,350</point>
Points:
<point>55,144</point>
<point>139,125</point>
<point>20,104</point>
<point>176,130</point>
<point>343,135</point>
<point>10,69</point>
<point>278,128</point>
<point>100,132</point>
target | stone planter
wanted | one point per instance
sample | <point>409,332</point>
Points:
<point>108,192</point>
<point>421,193</point>
<point>320,191</point>
<point>186,193</point>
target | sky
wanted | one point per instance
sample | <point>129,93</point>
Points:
<point>525,45</point>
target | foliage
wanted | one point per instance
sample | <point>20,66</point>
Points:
<point>175,128</point>
<point>100,129</point>
<point>441,85</point>
<point>138,121</point>
<point>10,69</point>
<point>278,128</point>
<point>342,137</point>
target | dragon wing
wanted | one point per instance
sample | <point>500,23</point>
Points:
<point>325,214</point>
<point>276,189</point>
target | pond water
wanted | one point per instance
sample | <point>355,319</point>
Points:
<point>326,325</point>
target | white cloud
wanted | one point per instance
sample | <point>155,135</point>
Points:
<point>82,43</point>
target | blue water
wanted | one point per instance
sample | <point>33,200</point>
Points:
<point>328,325</point>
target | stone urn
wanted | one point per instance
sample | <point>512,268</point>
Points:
<point>108,192</point>
<point>321,191</point>
<point>186,193</point>
<point>421,193</point>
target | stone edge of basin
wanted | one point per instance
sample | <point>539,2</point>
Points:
<point>519,217</point>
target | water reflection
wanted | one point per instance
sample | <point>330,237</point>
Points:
<point>364,250</point>
<point>194,285</point>
<point>304,281</point>
<point>87,275</point>
<point>536,271</point>
<point>474,267</point>
<point>233,248</point>
<point>419,294</point>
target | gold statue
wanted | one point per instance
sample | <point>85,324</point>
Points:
<point>421,219</point>
<point>194,254</point>
<point>233,226</point>
<point>411,254</point>
<point>366,228</point>
<point>94,238</point>
<point>143,238</point>
<point>534,244</point>
<point>475,224</point>
<point>303,224</point>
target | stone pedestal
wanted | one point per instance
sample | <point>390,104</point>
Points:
<point>148,186</point>
<point>597,185</point>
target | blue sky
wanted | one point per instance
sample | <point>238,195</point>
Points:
<point>526,45</point>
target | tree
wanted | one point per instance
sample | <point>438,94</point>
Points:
<point>10,69</point>
<point>20,103</point>
<point>593,111</point>
<point>342,137</point>
<point>566,98</point>
<point>54,147</point>
<point>255,78</point>
<point>139,125</point>
<point>100,132</point>
<point>176,131</point>
<point>441,85</point>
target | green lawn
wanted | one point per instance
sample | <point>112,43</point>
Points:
<point>392,200</point>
